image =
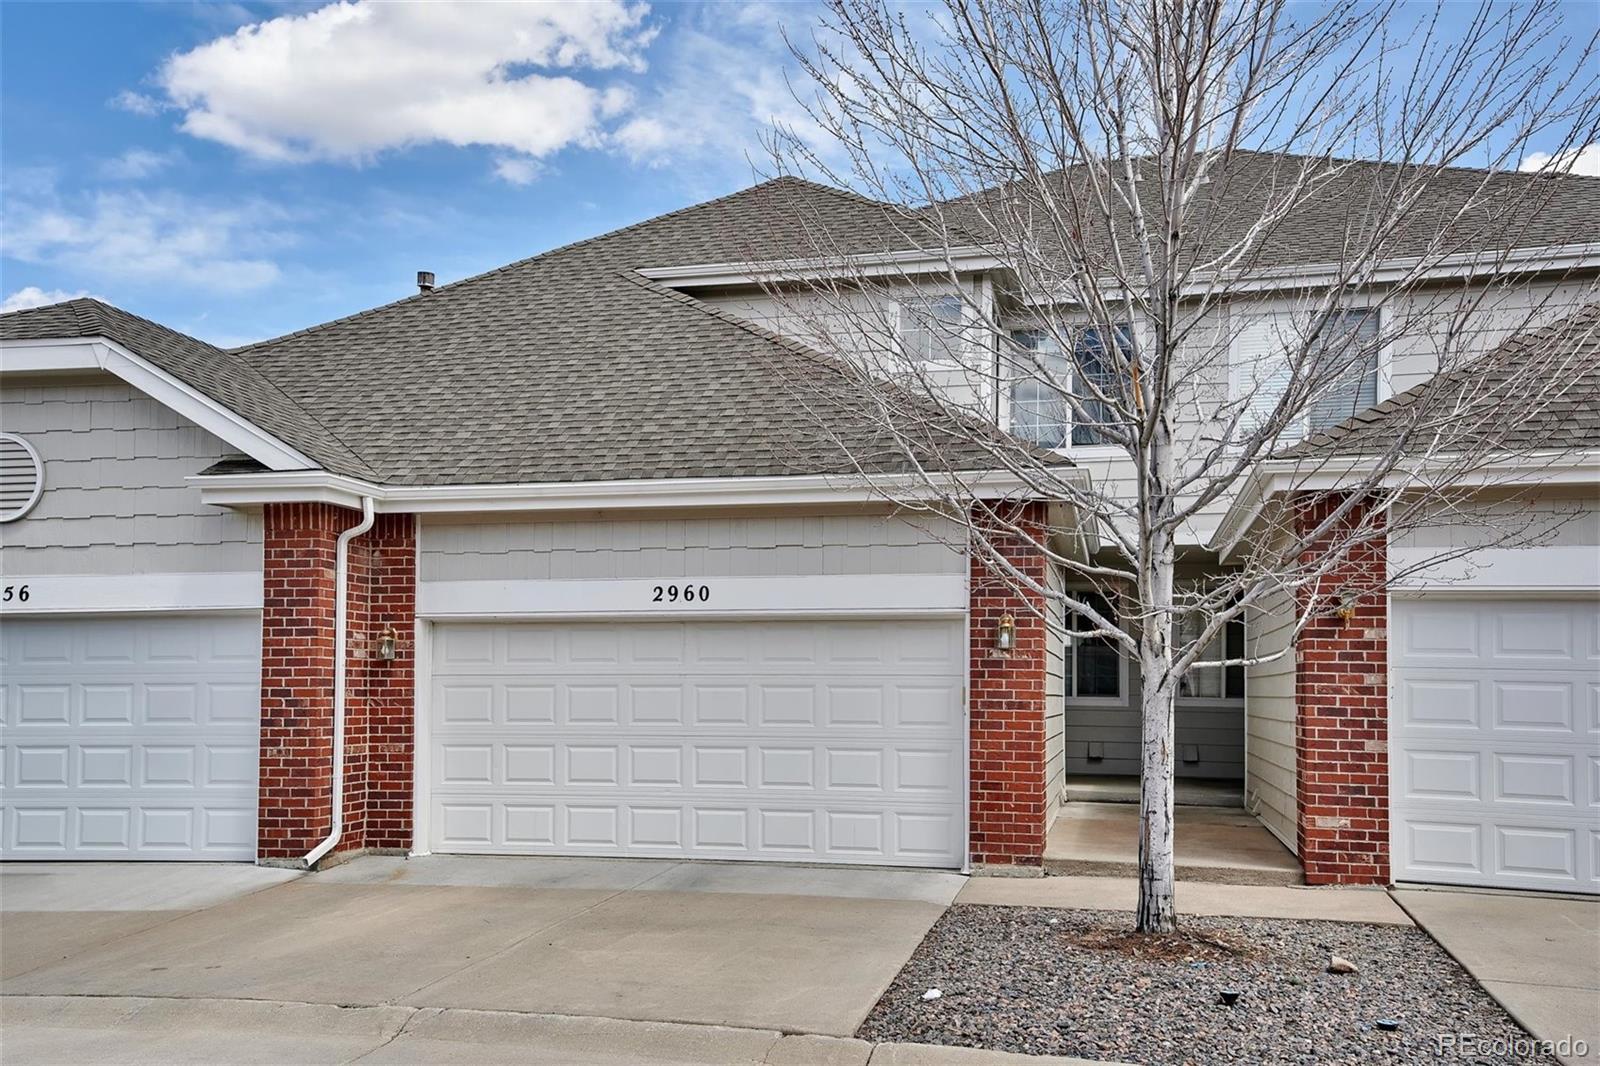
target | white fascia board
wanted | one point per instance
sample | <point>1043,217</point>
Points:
<point>883,264</point>
<point>1277,477</point>
<point>1536,568</point>
<point>101,353</point>
<point>1558,258</point>
<point>249,490</point>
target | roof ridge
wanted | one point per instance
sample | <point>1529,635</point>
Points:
<point>631,227</point>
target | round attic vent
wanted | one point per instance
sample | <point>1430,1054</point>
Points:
<point>21,477</point>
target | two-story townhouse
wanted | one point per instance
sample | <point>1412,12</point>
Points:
<point>552,561</point>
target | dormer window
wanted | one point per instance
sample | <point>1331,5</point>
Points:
<point>930,330</point>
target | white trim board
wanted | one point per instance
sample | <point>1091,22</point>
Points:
<point>101,353</point>
<point>769,597</point>
<point>1550,568</point>
<point>251,490</point>
<point>50,594</point>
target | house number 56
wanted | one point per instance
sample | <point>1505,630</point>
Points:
<point>14,592</point>
<point>685,593</point>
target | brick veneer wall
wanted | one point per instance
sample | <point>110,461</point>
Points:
<point>1342,719</point>
<point>1006,703</point>
<point>295,806</point>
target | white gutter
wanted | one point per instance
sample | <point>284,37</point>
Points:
<point>255,489</point>
<point>341,596</point>
<point>963,258</point>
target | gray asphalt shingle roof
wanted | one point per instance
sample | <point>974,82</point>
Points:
<point>570,366</point>
<point>1539,390</point>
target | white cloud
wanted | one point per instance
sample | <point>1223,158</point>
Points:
<point>354,79</point>
<point>33,296</point>
<point>137,163</point>
<point>1584,160</point>
<point>517,170</point>
<point>159,237</point>
<point>136,103</point>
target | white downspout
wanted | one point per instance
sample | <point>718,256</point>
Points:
<point>341,580</point>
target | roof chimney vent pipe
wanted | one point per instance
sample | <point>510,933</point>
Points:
<point>424,281</point>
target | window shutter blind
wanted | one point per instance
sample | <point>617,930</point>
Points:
<point>1258,369</point>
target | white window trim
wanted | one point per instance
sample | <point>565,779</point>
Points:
<point>1383,386</point>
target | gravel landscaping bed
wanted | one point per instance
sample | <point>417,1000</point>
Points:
<point>1067,982</point>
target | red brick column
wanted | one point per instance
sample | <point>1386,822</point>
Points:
<point>379,740</point>
<point>297,680</point>
<point>1006,702</point>
<point>1342,719</point>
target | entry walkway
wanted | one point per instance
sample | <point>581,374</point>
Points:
<point>1213,844</point>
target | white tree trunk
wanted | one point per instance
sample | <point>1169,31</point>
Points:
<point>1157,575</point>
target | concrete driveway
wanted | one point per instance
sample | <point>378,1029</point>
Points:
<point>791,950</point>
<point>1539,956</point>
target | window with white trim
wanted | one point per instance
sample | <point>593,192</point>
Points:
<point>1260,368</point>
<point>1041,413</point>
<point>1213,682</point>
<point>1094,664</point>
<point>931,330</point>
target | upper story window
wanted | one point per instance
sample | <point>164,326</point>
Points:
<point>1094,663</point>
<point>1347,349</point>
<point>1042,413</point>
<point>930,330</point>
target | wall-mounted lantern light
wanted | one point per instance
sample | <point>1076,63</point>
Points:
<point>1005,633</point>
<point>1346,610</point>
<point>386,649</point>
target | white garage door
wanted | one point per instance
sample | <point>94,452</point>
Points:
<point>130,738</point>
<point>1496,743</point>
<point>816,741</point>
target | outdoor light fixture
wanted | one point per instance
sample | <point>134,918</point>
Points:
<point>1347,607</point>
<point>386,643</point>
<point>1005,633</point>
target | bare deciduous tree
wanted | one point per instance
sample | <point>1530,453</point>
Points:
<point>1176,241</point>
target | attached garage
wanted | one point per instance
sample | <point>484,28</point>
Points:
<point>130,737</point>
<point>1495,742</point>
<point>836,741</point>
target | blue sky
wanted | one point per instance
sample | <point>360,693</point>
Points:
<point>154,160</point>
<point>238,171</point>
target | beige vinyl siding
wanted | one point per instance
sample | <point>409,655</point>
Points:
<point>1551,516</point>
<point>115,500</point>
<point>1269,785</point>
<point>786,546</point>
<point>1055,712</point>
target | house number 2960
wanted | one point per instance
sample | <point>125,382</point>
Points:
<point>683,593</point>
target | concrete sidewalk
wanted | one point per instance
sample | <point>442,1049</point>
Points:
<point>131,1030</point>
<point>1539,956</point>
<point>1193,897</point>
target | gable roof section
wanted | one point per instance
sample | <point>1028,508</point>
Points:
<point>1487,404</point>
<point>219,376</point>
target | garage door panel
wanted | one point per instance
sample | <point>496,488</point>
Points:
<point>822,741</point>
<point>130,738</point>
<point>1496,775</point>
